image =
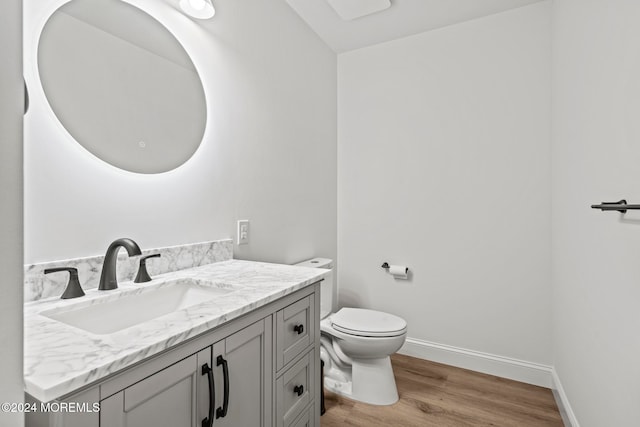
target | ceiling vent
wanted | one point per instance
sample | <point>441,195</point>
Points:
<point>349,10</point>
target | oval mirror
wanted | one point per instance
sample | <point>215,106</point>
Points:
<point>122,85</point>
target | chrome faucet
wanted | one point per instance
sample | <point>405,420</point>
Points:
<point>108,279</point>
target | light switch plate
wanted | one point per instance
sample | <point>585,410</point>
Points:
<point>243,232</point>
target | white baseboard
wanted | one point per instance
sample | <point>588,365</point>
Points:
<point>568,417</point>
<point>505,367</point>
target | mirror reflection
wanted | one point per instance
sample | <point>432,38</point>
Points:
<point>122,85</point>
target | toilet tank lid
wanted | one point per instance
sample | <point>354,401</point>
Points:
<point>363,320</point>
<point>316,263</point>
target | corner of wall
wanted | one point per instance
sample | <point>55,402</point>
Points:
<point>568,417</point>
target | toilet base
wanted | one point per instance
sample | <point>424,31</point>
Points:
<point>373,382</point>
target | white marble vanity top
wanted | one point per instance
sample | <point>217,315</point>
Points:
<point>59,359</point>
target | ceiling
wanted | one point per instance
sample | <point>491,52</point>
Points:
<point>403,18</point>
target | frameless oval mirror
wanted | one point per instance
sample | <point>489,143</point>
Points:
<point>122,85</point>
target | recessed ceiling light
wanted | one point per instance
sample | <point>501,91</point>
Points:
<point>200,9</point>
<point>349,10</point>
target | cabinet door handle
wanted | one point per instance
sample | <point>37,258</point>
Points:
<point>299,390</point>
<point>299,329</point>
<point>208,422</point>
<point>222,411</point>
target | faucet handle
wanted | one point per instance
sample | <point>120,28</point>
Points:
<point>73,289</point>
<point>143,275</point>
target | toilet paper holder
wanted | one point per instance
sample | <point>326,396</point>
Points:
<point>386,266</point>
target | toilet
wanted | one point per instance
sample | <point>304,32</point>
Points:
<point>355,346</point>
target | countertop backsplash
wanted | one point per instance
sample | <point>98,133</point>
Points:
<point>39,286</point>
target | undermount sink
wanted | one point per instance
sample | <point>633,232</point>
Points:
<point>133,307</point>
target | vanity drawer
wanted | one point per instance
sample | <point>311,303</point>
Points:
<point>295,330</point>
<point>307,419</point>
<point>295,389</point>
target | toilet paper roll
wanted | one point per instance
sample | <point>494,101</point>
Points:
<point>399,271</point>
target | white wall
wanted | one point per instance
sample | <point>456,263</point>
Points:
<point>444,165</point>
<point>269,153</point>
<point>11,110</point>
<point>596,152</point>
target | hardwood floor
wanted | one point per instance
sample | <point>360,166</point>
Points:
<point>432,394</point>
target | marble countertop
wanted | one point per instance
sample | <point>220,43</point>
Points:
<point>59,358</point>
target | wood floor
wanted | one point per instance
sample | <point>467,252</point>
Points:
<point>432,394</point>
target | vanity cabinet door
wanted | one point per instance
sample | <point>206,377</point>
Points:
<point>248,377</point>
<point>175,396</point>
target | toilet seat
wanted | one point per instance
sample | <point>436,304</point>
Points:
<point>368,323</point>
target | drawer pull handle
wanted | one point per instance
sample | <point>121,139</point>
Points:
<point>299,329</point>
<point>299,390</point>
<point>221,412</point>
<point>206,370</point>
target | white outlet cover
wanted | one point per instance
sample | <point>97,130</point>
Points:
<point>243,232</point>
<point>349,10</point>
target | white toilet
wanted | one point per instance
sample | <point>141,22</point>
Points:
<point>355,346</point>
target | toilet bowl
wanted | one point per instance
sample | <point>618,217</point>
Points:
<point>359,366</point>
<point>355,347</point>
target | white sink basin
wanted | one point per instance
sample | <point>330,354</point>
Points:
<point>136,306</point>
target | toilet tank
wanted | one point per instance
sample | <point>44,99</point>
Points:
<point>327,287</point>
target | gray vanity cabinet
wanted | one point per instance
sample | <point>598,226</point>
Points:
<point>263,368</point>
<point>247,354</point>
<point>167,398</point>
<point>297,350</point>
<point>179,394</point>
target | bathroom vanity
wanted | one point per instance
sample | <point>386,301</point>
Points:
<point>247,355</point>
